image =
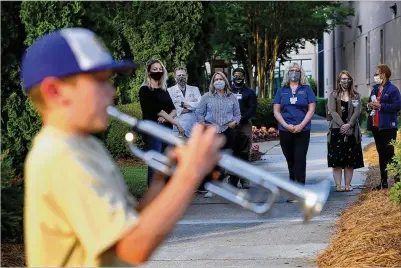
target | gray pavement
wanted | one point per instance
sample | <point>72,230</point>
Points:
<point>216,233</point>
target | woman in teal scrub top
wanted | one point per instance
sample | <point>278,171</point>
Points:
<point>294,106</point>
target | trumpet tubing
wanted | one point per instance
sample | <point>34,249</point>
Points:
<point>312,197</point>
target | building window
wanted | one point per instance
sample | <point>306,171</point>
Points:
<point>367,56</point>
<point>381,46</point>
<point>307,66</point>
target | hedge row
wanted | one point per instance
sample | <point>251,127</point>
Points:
<point>114,136</point>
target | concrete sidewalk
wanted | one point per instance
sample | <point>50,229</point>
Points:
<point>216,233</point>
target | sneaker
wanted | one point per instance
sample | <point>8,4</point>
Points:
<point>209,194</point>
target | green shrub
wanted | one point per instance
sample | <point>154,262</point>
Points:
<point>364,114</point>
<point>395,193</point>
<point>12,202</point>
<point>321,106</point>
<point>394,168</point>
<point>313,85</point>
<point>115,136</point>
<point>264,114</point>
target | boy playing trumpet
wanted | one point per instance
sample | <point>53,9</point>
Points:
<point>78,211</point>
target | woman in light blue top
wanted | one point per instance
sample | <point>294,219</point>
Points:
<point>220,107</point>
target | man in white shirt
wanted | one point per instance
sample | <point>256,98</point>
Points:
<point>185,98</point>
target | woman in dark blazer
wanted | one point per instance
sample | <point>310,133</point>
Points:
<point>383,109</point>
<point>344,138</point>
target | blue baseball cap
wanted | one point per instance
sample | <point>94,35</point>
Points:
<point>67,52</point>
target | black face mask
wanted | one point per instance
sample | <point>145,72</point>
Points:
<point>238,82</point>
<point>156,75</point>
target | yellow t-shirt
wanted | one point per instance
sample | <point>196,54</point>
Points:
<point>77,205</point>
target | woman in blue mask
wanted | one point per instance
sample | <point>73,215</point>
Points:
<point>294,106</point>
<point>384,107</point>
<point>220,108</point>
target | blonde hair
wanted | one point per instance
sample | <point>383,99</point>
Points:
<point>163,80</point>
<point>302,81</point>
<point>211,86</point>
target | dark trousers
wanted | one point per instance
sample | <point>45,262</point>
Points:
<point>295,148</point>
<point>241,148</point>
<point>229,134</point>
<point>155,144</point>
<point>384,149</point>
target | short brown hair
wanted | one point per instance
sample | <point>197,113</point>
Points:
<point>384,69</point>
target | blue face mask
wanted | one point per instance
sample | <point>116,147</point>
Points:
<point>219,84</point>
<point>294,76</point>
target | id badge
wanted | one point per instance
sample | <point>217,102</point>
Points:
<point>355,103</point>
<point>293,100</point>
<point>239,96</point>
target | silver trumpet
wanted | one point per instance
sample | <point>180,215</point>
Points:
<point>263,184</point>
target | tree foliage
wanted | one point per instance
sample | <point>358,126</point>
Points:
<point>259,33</point>
<point>175,32</point>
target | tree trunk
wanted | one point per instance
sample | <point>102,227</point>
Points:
<point>273,66</point>
<point>259,65</point>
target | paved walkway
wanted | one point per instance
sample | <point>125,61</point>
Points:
<point>215,233</point>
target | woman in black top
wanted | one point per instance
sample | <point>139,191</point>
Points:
<point>156,105</point>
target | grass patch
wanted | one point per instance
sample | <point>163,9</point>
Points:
<point>136,179</point>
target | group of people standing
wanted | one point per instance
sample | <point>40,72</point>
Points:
<point>228,107</point>
<point>294,106</point>
<point>345,137</point>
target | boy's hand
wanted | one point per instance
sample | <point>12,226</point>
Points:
<point>201,153</point>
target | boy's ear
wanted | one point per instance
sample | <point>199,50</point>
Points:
<point>51,91</point>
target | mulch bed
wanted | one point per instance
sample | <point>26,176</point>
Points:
<point>368,233</point>
<point>130,162</point>
<point>12,255</point>
<point>254,140</point>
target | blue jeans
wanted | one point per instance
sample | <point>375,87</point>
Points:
<point>152,143</point>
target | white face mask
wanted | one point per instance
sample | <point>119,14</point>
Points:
<point>219,84</point>
<point>377,79</point>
